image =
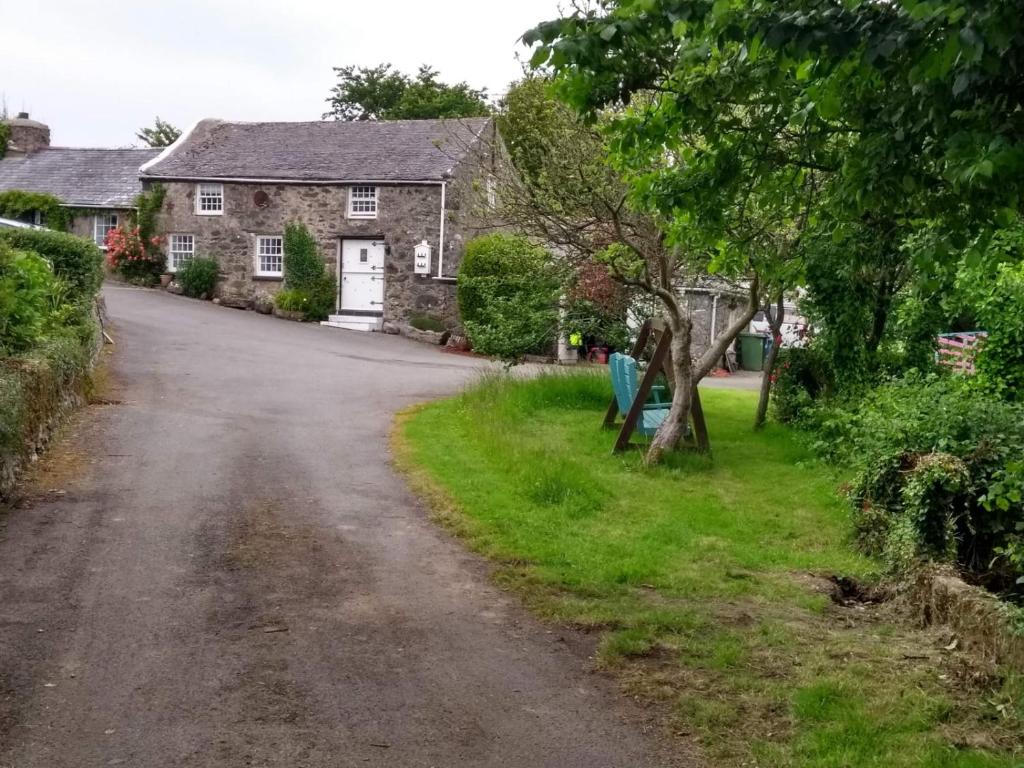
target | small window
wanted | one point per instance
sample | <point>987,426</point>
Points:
<point>270,256</point>
<point>180,248</point>
<point>362,203</point>
<point>209,199</point>
<point>102,224</point>
<point>492,192</point>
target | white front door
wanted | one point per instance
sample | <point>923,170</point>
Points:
<point>362,276</point>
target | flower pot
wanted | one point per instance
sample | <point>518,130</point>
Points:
<point>165,279</point>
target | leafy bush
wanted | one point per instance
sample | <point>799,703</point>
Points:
<point>592,321</point>
<point>291,300</point>
<point>27,287</point>
<point>138,260</point>
<point>21,205</point>
<point>316,302</point>
<point>198,277</point>
<point>999,304</point>
<point>74,259</point>
<point>303,265</point>
<point>508,296</point>
<point>801,377</point>
<point>308,286</point>
<point>937,462</point>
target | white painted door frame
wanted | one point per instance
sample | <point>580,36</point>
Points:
<point>375,273</point>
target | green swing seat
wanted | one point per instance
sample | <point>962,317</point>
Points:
<point>624,382</point>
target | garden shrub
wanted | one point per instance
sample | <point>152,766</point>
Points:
<point>74,259</point>
<point>27,291</point>
<point>316,302</point>
<point>308,287</point>
<point>303,265</point>
<point>21,205</point>
<point>937,474</point>
<point>998,305</point>
<point>291,300</point>
<point>508,296</point>
<point>801,378</point>
<point>198,277</point>
<point>134,257</point>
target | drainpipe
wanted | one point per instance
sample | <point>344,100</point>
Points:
<point>714,316</point>
<point>440,248</point>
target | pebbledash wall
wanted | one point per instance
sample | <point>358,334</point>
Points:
<point>406,215</point>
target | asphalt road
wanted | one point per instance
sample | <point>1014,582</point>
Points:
<point>221,568</point>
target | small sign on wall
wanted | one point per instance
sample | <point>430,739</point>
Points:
<point>421,258</point>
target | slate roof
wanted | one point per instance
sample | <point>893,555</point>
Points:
<point>90,177</point>
<point>400,150</point>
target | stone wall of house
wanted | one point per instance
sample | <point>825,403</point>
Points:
<point>702,308</point>
<point>469,212</point>
<point>407,214</point>
<point>83,222</point>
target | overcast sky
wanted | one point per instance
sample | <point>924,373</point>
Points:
<point>96,72</point>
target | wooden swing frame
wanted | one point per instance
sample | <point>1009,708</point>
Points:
<point>655,330</point>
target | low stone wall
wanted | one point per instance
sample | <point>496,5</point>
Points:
<point>45,396</point>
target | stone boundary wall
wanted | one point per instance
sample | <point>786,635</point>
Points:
<point>53,400</point>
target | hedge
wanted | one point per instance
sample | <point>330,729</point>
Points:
<point>76,260</point>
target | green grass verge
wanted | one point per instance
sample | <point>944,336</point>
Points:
<point>704,579</point>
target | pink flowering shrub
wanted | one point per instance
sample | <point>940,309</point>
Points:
<point>138,260</point>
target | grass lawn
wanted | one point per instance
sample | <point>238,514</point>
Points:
<point>705,581</point>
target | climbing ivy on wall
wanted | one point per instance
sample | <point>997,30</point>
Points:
<point>17,204</point>
<point>147,207</point>
<point>5,136</point>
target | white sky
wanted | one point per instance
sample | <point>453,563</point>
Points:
<point>96,72</point>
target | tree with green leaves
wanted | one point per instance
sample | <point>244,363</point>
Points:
<point>160,134</point>
<point>707,150</point>
<point>382,93</point>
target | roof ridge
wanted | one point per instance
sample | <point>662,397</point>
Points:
<point>222,121</point>
<point>100,149</point>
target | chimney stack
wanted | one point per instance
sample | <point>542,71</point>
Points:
<point>27,135</point>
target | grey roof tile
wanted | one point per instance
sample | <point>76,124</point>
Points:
<point>99,177</point>
<point>401,150</point>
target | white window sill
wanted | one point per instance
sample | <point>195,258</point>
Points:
<point>209,213</point>
<point>362,215</point>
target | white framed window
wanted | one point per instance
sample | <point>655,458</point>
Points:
<point>102,223</point>
<point>492,192</point>
<point>269,256</point>
<point>180,248</point>
<point>362,202</point>
<point>209,199</point>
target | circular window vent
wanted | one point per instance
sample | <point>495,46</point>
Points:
<point>261,199</point>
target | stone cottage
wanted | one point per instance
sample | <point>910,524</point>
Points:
<point>99,186</point>
<point>390,203</point>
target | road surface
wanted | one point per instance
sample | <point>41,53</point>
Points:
<point>221,568</point>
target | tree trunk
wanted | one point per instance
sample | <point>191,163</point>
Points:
<point>673,429</point>
<point>769,369</point>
